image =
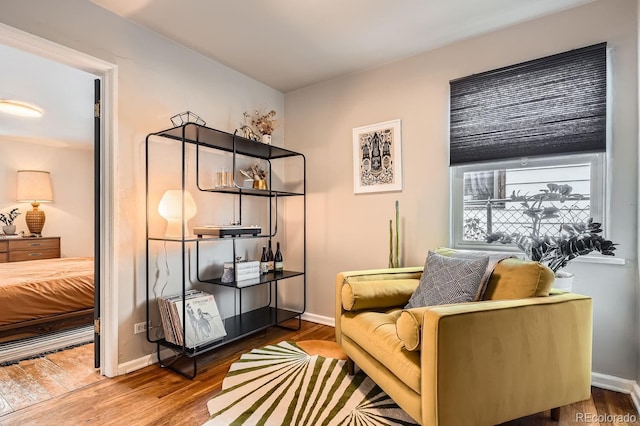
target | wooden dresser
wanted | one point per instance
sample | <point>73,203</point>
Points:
<point>17,250</point>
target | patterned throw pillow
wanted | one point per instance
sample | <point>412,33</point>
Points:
<point>448,280</point>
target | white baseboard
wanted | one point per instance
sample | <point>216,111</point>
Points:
<point>319,319</point>
<point>617,384</point>
<point>144,361</point>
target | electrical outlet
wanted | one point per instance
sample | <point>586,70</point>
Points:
<point>140,327</point>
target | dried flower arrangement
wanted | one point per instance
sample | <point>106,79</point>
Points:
<point>255,171</point>
<point>265,123</point>
<point>8,218</point>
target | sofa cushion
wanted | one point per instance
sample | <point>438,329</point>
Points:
<point>375,332</point>
<point>377,294</point>
<point>518,279</point>
<point>409,327</point>
<point>449,280</point>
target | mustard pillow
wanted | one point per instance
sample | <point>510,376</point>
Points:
<point>377,294</point>
<point>409,327</point>
<point>518,279</point>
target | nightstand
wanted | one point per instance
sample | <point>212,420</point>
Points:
<point>4,251</point>
<point>31,248</point>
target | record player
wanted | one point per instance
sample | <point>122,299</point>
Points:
<point>227,230</point>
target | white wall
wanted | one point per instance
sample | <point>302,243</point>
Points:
<point>351,231</point>
<point>157,79</point>
<point>70,216</point>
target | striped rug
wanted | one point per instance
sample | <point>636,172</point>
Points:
<point>283,385</point>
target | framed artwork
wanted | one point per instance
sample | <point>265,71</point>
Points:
<point>377,159</point>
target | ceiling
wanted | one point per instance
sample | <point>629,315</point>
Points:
<point>285,44</point>
<point>65,94</point>
<point>289,44</point>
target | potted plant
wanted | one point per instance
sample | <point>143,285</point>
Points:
<point>9,228</point>
<point>266,124</point>
<point>257,174</point>
<point>555,251</point>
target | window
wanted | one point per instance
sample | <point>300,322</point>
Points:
<point>483,203</point>
<point>517,129</point>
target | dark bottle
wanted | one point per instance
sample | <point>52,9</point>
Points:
<point>278,266</point>
<point>264,263</point>
<point>270,261</point>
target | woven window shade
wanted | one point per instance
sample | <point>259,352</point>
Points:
<point>548,106</point>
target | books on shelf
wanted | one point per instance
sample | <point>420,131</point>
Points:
<point>203,323</point>
<point>243,271</point>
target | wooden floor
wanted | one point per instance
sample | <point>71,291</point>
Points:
<point>156,396</point>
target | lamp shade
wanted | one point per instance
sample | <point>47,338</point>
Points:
<point>34,186</point>
<point>170,208</point>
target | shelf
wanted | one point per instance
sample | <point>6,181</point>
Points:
<point>217,139</point>
<point>253,192</point>
<point>204,238</point>
<point>263,279</point>
<point>240,326</point>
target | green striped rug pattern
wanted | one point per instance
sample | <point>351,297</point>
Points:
<point>283,385</point>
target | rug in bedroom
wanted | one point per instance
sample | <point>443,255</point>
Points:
<point>32,347</point>
<point>283,384</point>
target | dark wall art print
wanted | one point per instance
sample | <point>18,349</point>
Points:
<point>377,161</point>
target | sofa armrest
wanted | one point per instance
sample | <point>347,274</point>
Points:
<point>534,353</point>
<point>361,295</point>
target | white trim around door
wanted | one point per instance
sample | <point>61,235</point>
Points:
<point>108,234</point>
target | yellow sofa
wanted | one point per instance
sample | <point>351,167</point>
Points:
<point>476,363</point>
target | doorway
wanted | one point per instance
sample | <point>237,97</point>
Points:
<point>107,292</point>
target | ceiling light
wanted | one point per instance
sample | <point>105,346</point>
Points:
<point>22,109</point>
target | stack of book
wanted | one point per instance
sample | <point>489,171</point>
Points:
<point>203,322</point>
<point>240,271</point>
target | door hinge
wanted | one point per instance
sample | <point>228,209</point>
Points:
<point>96,326</point>
<point>96,110</point>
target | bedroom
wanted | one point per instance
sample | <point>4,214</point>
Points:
<point>61,143</point>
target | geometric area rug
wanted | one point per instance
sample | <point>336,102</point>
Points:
<point>282,384</point>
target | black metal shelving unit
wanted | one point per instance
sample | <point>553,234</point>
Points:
<point>184,359</point>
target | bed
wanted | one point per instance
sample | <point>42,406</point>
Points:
<point>40,296</point>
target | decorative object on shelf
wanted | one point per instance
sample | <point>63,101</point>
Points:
<point>264,261</point>
<point>247,131</point>
<point>278,265</point>
<point>9,228</point>
<point>260,184</point>
<point>264,123</point>
<point>377,159</point>
<point>394,252</point>
<point>572,239</point>
<point>187,117</point>
<point>224,178</point>
<point>34,186</point>
<point>170,208</point>
<point>270,259</point>
<point>257,174</point>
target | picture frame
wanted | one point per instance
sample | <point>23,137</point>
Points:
<point>377,157</point>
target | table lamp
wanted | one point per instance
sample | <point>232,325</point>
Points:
<point>170,208</point>
<point>34,186</point>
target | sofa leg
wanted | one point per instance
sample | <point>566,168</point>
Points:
<point>350,367</point>
<point>555,414</point>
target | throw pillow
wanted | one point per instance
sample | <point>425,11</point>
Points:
<point>448,280</point>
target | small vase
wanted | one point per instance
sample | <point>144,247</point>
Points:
<point>9,229</point>
<point>260,184</point>
<point>266,139</point>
